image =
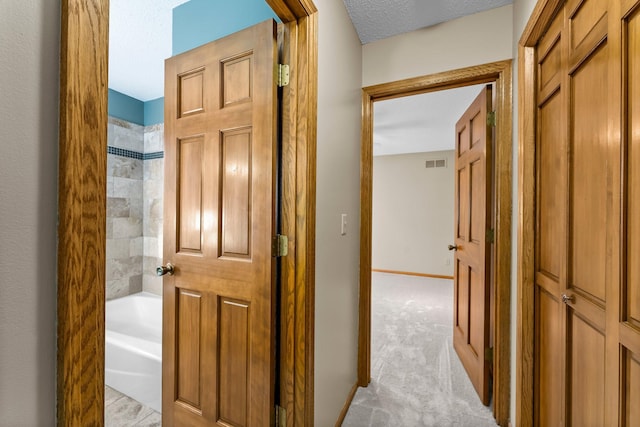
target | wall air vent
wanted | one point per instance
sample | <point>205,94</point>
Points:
<point>435,163</point>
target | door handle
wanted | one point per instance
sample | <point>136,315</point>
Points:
<point>453,247</point>
<point>567,298</point>
<point>165,269</point>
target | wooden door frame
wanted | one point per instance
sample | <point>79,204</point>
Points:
<point>500,73</point>
<point>539,21</point>
<point>82,211</point>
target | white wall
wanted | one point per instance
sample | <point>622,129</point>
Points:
<point>471,40</point>
<point>29,58</point>
<point>413,210</point>
<point>338,191</point>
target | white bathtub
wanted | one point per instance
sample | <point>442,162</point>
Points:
<point>133,348</point>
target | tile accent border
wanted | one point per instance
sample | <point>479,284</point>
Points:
<point>134,154</point>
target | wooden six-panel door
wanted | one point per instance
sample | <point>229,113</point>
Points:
<point>218,327</point>
<point>587,232</point>
<point>472,218</point>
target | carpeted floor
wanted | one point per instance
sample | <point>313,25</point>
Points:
<point>417,378</point>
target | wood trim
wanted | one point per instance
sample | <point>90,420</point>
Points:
<point>305,165</point>
<point>502,273</point>
<point>500,73</point>
<point>347,404</point>
<point>409,273</point>
<point>82,211</point>
<point>538,23</point>
<point>526,213</point>
<point>366,230</point>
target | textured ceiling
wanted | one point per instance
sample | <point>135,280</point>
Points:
<point>139,42</point>
<point>420,123</point>
<point>379,19</point>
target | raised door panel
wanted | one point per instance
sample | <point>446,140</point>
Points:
<point>477,206</point>
<point>235,193</point>
<point>549,364</point>
<point>552,161</point>
<point>237,77</point>
<point>191,89</point>
<point>586,372</point>
<point>189,188</point>
<point>233,363</point>
<point>584,16</point>
<point>461,301</point>
<point>631,378</point>
<point>188,348</point>
<point>589,129</point>
<point>462,203</point>
<point>631,299</point>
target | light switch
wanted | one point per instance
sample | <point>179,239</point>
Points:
<point>343,225</point>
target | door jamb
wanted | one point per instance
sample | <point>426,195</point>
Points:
<point>539,21</point>
<point>82,211</point>
<point>500,73</point>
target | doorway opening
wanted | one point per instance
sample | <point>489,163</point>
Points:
<point>415,174</point>
<point>498,73</point>
<point>137,327</point>
<point>82,201</point>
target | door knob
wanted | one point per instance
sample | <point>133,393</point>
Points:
<point>453,247</point>
<point>165,269</point>
<point>567,298</point>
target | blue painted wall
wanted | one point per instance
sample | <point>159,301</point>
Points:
<point>194,23</point>
<point>154,111</point>
<point>125,107</point>
<point>200,21</point>
<point>133,110</point>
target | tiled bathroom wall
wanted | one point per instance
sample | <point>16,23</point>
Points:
<point>152,206</point>
<point>134,208</point>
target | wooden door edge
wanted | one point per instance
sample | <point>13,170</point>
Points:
<point>82,199</point>
<point>538,22</point>
<point>499,72</point>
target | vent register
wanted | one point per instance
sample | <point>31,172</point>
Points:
<point>435,163</point>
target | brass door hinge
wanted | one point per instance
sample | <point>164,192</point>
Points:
<point>281,416</point>
<point>488,354</point>
<point>280,245</point>
<point>283,75</point>
<point>491,118</point>
<point>490,235</point>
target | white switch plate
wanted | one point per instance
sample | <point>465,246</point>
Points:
<point>343,225</point>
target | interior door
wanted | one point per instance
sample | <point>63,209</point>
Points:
<point>472,248</point>
<point>218,305</point>
<point>587,281</point>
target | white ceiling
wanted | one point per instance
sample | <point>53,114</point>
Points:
<point>420,123</point>
<point>139,42</point>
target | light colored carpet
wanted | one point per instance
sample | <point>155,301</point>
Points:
<point>417,378</point>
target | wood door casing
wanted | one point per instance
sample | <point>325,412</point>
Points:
<point>587,336</point>
<point>219,308</point>
<point>473,207</point>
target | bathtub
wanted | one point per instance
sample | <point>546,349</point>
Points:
<point>133,347</point>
